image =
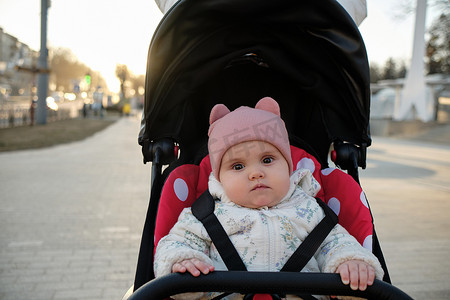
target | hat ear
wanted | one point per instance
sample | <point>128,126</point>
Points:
<point>268,104</point>
<point>218,112</point>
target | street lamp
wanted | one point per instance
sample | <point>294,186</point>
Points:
<point>41,109</point>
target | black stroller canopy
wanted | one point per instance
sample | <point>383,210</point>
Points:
<point>307,55</point>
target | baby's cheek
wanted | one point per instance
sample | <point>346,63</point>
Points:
<point>237,196</point>
<point>284,189</point>
<point>231,189</point>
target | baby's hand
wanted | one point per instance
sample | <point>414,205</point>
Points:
<point>193,266</point>
<point>358,273</point>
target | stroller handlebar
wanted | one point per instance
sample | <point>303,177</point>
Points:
<point>263,283</point>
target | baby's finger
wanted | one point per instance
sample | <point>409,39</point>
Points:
<point>345,275</point>
<point>202,266</point>
<point>363,275</point>
<point>178,268</point>
<point>190,267</point>
<point>371,275</point>
<point>354,275</point>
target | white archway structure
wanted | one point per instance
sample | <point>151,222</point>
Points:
<point>415,100</point>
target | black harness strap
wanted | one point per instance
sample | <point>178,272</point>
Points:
<point>203,210</point>
<point>312,242</point>
<point>309,246</point>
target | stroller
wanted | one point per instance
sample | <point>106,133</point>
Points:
<point>310,57</point>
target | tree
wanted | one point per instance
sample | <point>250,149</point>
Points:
<point>65,68</point>
<point>128,80</point>
<point>97,80</point>
<point>390,69</point>
<point>66,71</point>
<point>438,42</point>
<point>403,8</point>
<point>438,46</point>
<point>375,72</point>
<point>123,74</point>
<point>401,71</point>
<point>138,82</point>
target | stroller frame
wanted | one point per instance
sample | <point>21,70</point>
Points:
<point>238,42</point>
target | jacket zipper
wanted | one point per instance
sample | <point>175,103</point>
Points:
<point>271,239</point>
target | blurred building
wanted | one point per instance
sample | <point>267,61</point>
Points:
<point>386,95</point>
<point>17,62</point>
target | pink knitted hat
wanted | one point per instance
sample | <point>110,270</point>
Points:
<point>262,123</point>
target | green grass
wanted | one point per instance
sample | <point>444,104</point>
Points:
<point>50,134</point>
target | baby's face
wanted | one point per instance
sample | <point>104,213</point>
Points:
<point>254,174</point>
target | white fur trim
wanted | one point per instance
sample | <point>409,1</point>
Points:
<point>216,189</point>
<point>343,255</point>
<point>305,179</point>
<point>164,266</point>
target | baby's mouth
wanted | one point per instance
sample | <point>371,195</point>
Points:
<point>259,186</point>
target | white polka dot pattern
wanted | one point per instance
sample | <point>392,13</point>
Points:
<point>327,171</point>
<point>306,163</point>
<point>368,242</point>
<point>181,189</point>
<point>364,199</point>
<point>335,205</point>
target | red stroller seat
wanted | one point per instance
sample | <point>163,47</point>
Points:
<point>345,197</point>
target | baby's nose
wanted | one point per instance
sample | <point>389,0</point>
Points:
<point>256,174</point>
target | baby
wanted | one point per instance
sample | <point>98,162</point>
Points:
<point>265,207</point>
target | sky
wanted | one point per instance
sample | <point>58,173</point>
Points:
<point>103,33</point>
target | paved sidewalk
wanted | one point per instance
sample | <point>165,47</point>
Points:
<point>71,217</point>
<point>407,183</point>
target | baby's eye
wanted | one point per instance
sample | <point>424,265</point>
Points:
<point>267,160</point>
<point>238,167</point>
